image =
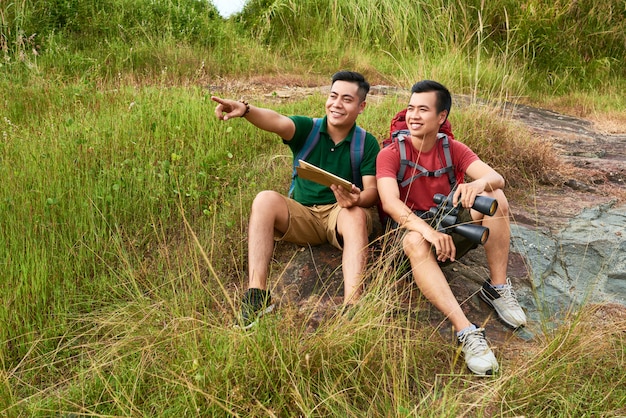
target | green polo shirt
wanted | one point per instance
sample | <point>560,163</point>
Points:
<point>330,157</point>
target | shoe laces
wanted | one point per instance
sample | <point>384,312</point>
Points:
<point>507,293</point>
<point>474,341</point>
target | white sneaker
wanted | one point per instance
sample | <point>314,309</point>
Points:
<point>505,303</point>
<point>478,356</point>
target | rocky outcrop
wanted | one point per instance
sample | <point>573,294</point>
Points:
<point>585,262</point>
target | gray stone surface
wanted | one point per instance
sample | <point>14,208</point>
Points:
<point>585,262</point>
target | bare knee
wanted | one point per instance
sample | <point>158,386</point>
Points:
<point>352,220</point>
<point>269,207</point>
<point>503,203</point>
<point>415,246</point>
<point>266,200</point>
<point>502,212</point>
<point>353,215</point>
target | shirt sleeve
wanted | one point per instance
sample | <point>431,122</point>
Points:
<point>388,162</point>
<point>462,157</point>
<point>304,125</point>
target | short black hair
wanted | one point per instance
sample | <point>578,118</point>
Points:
<point>444,99</point>
<point>353,77</point>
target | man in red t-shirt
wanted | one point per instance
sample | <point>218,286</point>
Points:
<point>426,247</point>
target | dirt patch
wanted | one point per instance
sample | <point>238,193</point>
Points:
<point>594,168</point>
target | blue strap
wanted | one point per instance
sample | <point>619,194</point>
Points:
<point>357,148</point>
<point>309,144</point>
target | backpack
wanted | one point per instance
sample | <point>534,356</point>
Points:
<point>357,147</point>
<point>398,132</point>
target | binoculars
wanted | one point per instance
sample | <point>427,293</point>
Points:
<point>446,217</point>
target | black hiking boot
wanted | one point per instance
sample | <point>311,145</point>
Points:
<point>255,304</point>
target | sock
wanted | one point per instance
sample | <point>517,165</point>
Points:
<point>464,330</point>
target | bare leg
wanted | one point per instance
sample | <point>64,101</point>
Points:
<point>352,226</point>
<point>431,281</point>
<point>269,212</point>
<point>497,246</point>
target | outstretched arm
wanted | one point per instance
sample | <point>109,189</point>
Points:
<point>266,119</point>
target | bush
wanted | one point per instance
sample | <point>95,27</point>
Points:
<point>583,39</point>
<point>89,23</point>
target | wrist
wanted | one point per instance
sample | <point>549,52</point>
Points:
<point>247,105</point>
<point>404,218</point>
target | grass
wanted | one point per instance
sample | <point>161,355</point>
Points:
<point>147,196</point>
<point>125,204</point>
<point>171,356</point>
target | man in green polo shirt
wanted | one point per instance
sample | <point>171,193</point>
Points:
<point>315,214</point>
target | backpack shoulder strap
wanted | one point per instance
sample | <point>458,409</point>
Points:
<point>399,137</point>
<point>303,154</point>
<point>357,148</point>
<point>448,169</point>
<point>311,141</point>
<point>445,142</point>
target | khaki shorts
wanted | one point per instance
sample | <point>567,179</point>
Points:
<point>315,224</point>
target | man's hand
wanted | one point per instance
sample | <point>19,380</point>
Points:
<point>344,198</point>
<point>443,243</point>
<point>466,193</point>
<point>227,109</point>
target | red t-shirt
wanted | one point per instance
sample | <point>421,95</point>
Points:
<point>418,195</point>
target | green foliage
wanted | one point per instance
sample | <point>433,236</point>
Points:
<point>79,37</point>
<point>584,388</point>
<point>561,43</point>
<point>372,24</point>
<point>89,21</point>
<point>536,46</point>
<point>86,170</point>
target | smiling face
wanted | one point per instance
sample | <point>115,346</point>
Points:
<point>422,116</point>
<point>344,104</point>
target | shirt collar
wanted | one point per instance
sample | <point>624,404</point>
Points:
<point>324,130</point>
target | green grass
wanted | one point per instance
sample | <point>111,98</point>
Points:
<point>125,201</point>
<point>124,223</point>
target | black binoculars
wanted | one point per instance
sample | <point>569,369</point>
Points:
<point>446,217</point>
